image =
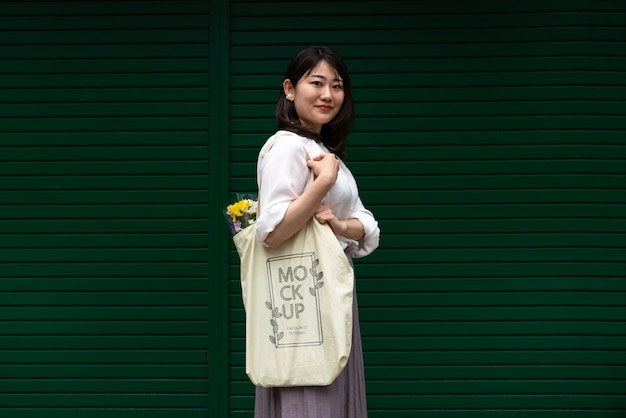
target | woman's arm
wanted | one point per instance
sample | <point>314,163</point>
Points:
<point>325,168</point>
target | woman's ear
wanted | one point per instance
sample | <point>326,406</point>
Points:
<point>288,88</point>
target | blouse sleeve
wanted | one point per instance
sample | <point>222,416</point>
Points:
<point>371,237</point>
<point>282,175</point>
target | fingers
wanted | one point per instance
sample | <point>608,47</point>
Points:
<point>324,155</point>
<point>325,165</point>
<point>324,214</point>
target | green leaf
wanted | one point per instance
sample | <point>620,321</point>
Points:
<point>269,305</point>
<point>272,339</point>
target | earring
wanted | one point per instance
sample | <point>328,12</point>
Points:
<point>289,97</point>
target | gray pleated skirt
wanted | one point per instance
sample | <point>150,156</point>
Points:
<point>344,398</point>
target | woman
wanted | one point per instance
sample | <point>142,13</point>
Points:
<point>300,174</point>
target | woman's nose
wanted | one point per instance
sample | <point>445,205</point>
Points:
<point>326,94</point>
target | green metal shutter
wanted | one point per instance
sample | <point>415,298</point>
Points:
<point>104,216</point>
<point>491,144</point>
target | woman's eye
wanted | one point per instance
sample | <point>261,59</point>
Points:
<point>338,86</point>
<point>316,83</point>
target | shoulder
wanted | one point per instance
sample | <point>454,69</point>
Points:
<point>285,143</point>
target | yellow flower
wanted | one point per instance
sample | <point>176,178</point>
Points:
<point>237,208</point>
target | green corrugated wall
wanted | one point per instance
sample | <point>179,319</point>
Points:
<point>104,191</point>
<point>490,142</point>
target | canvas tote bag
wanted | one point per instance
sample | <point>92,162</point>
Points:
<point>298,303</point>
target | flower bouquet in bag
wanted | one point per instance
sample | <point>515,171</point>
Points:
<point>241,213</point>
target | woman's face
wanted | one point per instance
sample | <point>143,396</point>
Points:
<point>317,96</point>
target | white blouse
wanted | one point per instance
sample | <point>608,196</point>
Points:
<point>283,175</point>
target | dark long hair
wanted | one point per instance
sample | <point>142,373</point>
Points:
<point>334,134</point>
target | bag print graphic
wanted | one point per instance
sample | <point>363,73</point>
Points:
<point>294,282</point>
